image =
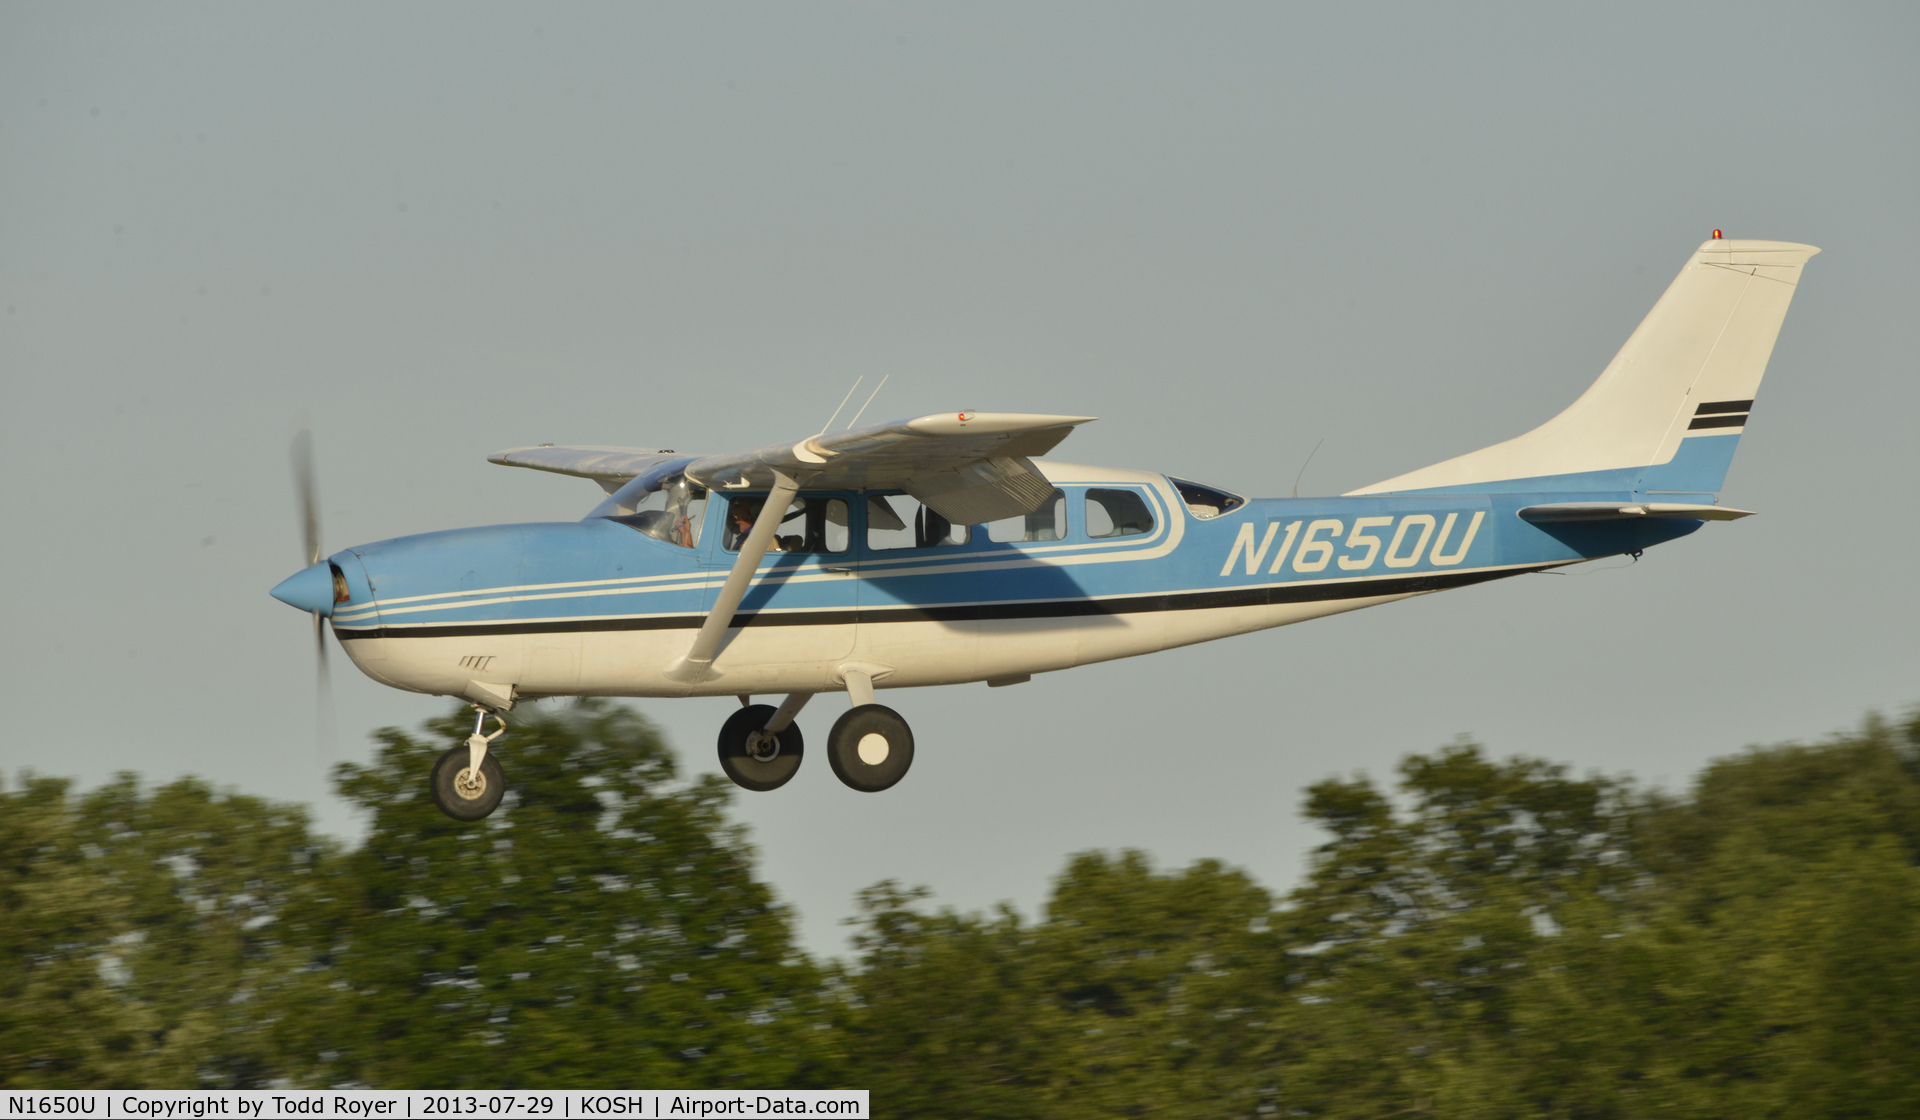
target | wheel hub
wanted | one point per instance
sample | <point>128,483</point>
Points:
<point>762,747</point>
<point>873,748</point>
<point>470,784</point>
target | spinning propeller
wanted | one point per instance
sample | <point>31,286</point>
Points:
<point>308,493</point>
<point>312,588</point>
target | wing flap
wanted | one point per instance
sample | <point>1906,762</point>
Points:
<point>974,464</point>
<point>984,491</point>
<point>1627,511</point>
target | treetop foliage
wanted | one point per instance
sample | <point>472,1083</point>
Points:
<point>1490,938</point>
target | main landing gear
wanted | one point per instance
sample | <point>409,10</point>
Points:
<point>467,782</point>
<point>869,748</point>
<point>754,754</point>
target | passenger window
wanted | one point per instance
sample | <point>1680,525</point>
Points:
<point>809,525</point>
<point>899,521</point>
<point>1048,523</point>
<point>1117,513</point>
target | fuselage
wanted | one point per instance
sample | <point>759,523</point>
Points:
<point>596,607</point>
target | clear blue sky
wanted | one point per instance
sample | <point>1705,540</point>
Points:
<point>1228,230</point>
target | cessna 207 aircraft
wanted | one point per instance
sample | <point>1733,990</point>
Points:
<point>942,550</point>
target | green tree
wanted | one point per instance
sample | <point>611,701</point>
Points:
<point>944,1014</point>
<point>602,927</point>
<point>1136,995</point>
<point>205,881</point>
<point>64,1023</point>
<point>145,943</point>
<point>1164,980</point>
<point>1415,941</point>
<point>1782,973</point>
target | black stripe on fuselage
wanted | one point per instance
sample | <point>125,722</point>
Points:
<point>968,612</point>
<point>1711,407</point>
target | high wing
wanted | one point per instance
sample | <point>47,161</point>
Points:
<point>611,467</point>
<point>969,467</point>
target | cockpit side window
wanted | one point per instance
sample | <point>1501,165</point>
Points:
<point>1205,502</point>
<point>668,508</point>
<point>1117,513</point>
<point>809,525</point>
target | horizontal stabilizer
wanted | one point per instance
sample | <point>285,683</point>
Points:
<point>1624,511</point>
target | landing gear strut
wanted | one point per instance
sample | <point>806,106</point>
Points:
<point>467,782</point>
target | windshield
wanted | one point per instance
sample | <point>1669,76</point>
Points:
<point>663,503</point>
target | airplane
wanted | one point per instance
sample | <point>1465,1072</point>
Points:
<point>942,550</point>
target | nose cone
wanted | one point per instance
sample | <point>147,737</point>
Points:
<point>310,590</point>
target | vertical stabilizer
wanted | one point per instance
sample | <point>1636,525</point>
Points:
<point>1666,413</point>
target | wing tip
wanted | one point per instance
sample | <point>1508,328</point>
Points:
<point>987,423</point>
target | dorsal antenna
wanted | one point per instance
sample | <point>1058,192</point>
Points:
<point>1303,466</point>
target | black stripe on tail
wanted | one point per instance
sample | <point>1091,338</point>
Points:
<point>1721,414</point>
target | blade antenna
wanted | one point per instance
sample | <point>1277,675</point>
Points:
<point>863,408</point>
<point>843,404</point>
<point>1303,466</point>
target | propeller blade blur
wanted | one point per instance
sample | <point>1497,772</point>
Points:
<point>307,493</point>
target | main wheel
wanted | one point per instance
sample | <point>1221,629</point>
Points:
<point>459,793</point>
<point>754,759</point>
<point>870,748</point>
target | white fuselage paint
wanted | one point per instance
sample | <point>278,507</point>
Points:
<point>787,658</point>
<point>759,659</point>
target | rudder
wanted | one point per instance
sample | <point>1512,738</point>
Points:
<point>1667,411</point>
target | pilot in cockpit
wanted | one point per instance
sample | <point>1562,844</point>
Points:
<point>741,513</point>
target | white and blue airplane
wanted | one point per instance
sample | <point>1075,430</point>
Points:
<point>942,550</point>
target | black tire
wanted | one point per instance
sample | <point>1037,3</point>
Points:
<point>885,762</point>
<point>759,774</point>
<point>464,803</point>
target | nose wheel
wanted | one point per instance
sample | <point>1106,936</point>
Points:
<point>467,782</point>
<point>870,748</point>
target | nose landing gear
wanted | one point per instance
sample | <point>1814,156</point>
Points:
<point>467,781</point>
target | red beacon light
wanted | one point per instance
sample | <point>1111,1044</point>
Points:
<point>1716,235</point>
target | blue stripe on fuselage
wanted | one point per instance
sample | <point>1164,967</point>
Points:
<point>1698,467</point>
<point>599,569</point>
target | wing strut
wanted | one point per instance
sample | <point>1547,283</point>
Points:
<point>698,662</point>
